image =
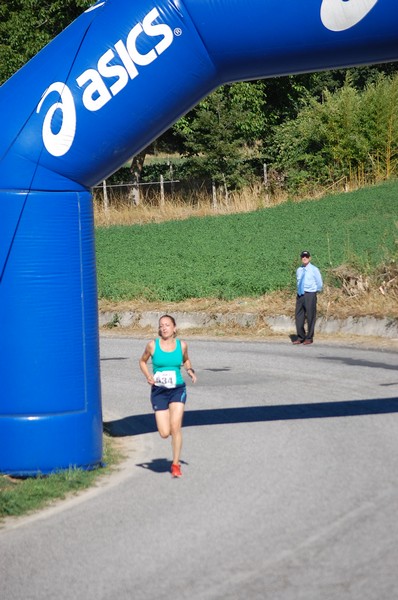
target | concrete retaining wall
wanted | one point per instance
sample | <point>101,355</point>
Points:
<point>366,326</point>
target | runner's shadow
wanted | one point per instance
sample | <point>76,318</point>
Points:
<point>158,465</point>
<point>140,424</point>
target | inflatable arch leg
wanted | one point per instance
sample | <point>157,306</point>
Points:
<point>50,400</point>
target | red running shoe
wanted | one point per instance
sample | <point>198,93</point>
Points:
<point>176,470</point>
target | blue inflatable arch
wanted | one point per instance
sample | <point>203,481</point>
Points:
<point>113,81</point>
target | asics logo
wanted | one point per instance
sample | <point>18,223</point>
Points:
<point>102,82</point>
<point>339,15</point>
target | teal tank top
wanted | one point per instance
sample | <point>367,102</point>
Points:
<point>168,361</point>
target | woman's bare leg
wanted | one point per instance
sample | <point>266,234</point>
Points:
<point>163,422</point>
<point>176,410</point>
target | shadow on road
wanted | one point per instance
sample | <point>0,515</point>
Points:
<point>356,362</point>
<point>140,424</point>
<point>158,465</point>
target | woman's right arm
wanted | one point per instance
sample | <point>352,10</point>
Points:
<point>148,352</point>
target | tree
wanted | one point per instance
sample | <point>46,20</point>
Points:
<point>223,131</point>
<point>286,96</point>
<point>348,134</point>
<point>26,26</point>
<point>380,125</point>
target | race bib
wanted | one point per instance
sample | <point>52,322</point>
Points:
<point>167,379</point>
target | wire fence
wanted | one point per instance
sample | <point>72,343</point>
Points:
<point>190,191</point>
<point>134,192</point>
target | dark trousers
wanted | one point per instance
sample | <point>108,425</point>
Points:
<point>306,309</point>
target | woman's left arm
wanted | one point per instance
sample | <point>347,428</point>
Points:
<point>186,361</point>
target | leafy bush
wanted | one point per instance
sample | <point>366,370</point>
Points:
<point>348,133</point>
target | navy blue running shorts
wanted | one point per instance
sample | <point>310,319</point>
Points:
<point>161,397</point>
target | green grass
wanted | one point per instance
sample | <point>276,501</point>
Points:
<point>21,496</point>
<point>246,254</point>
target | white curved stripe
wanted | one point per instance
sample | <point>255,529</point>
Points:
<point>339,15</point>
<point>94,7</point>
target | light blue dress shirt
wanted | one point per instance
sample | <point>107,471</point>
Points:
<point>309,279</point>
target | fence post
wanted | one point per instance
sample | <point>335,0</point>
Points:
<point>161,190</point>
<point>105,192</point>
<point>172,179</point>
<point>266,183</point>
<point>214,195</point>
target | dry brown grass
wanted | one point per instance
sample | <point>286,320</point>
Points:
<point>332,302</point>
<point>122,212</point>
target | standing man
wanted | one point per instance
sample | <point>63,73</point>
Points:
<point>309,283</point>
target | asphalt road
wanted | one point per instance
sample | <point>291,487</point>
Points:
<point>289,490</point>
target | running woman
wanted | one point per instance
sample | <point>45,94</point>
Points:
<point>168,389</point>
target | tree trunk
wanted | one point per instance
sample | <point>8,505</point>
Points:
<point>136,167</point>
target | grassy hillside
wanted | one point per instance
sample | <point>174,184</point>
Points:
<point>246,254</point>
